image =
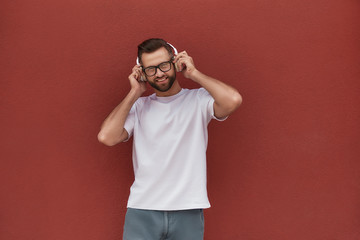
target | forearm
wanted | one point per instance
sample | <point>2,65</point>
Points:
<point>227,98</point>
<point>112,129</point>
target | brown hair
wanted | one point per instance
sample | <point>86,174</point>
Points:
<point>151,45</point>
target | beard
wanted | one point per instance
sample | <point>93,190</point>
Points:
<point>160,87</point>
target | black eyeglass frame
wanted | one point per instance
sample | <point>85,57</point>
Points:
<point>157,67</point>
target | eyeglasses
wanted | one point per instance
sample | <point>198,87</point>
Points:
<point>164,67</point>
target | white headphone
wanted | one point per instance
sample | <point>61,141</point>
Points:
<point>175,52</point>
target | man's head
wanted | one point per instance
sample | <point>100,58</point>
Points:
<point>155,57</point>
<point>151,45</point>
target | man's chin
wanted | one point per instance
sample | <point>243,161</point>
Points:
<point>163,88</point>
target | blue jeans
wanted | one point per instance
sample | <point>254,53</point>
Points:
<point>160,225</point>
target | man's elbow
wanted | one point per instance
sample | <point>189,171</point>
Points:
<point>106,140</point>
<point>234,101</point>
<point>237,99</point>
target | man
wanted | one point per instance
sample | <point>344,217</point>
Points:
<point>169,193</point>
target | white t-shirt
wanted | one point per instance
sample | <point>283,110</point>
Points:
<point>169,150</point>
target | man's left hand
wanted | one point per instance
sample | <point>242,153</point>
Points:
<point>185,64</point>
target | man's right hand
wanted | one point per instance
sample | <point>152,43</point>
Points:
<point>136,85</point>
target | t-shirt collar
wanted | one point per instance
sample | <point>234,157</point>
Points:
<point>169,98</point>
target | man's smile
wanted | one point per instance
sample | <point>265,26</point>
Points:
<point>163,79</point>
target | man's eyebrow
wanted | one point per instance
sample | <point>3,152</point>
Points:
<point>157,65</point>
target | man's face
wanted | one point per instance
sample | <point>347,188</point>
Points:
<point>161,81</point>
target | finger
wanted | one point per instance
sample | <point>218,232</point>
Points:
<point>177,65</point>
<point>180,55</point>
<point>141,77</point>
<point>187,63</point>
<point>138,72</point>
<point>178,59</point>
<point>136,67</point>
<point>181,64</point>
<point>132,78</point>
<point>183,53</point>
<point>136,76</point>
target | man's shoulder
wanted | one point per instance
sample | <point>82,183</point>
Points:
<point>140,102</point>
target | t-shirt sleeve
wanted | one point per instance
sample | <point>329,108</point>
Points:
<point>130,122</point>
<point>207,104</point>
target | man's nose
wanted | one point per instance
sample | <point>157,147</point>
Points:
<point>159,73</point>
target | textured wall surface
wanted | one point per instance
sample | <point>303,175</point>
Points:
<point>284,166</point>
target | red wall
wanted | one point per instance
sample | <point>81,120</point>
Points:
<point>284,166</point>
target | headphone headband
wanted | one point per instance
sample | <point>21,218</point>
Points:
<point>175,52</point>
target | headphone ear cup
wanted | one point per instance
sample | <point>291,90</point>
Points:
<point>142,77</point>
<point>176,67</point>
